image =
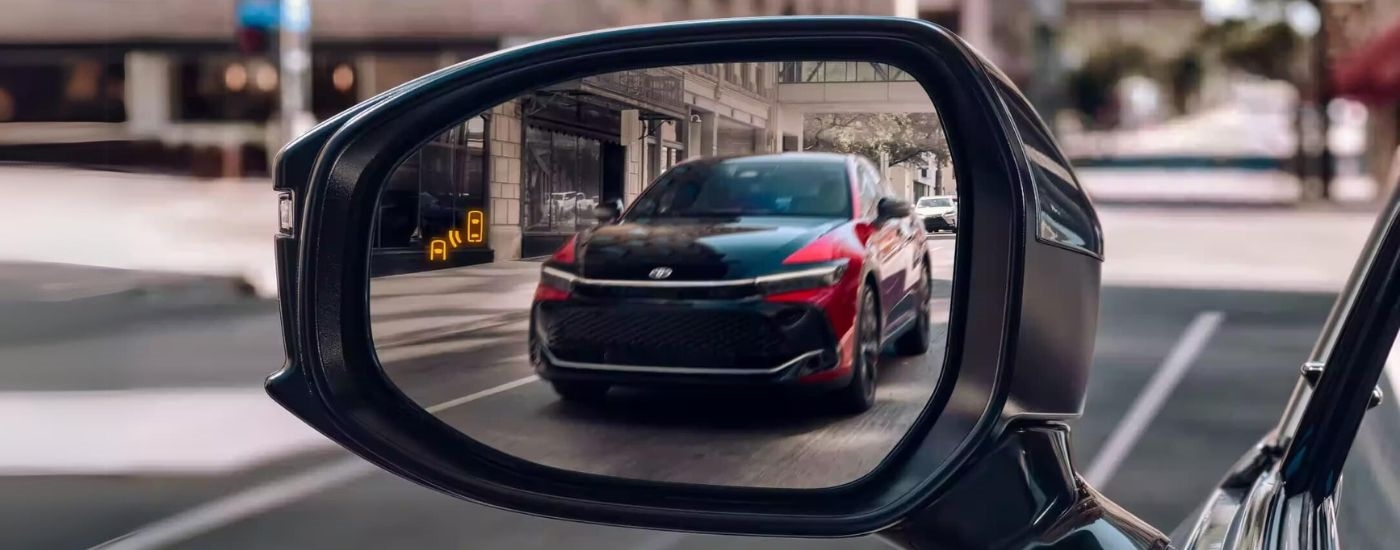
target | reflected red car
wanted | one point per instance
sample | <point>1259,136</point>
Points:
<point>794,270</point>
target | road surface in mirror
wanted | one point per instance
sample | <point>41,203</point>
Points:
<point>449,335</point>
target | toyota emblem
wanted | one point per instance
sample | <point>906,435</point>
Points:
<point>660,273</point>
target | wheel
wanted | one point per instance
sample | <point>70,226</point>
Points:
<point>915,340</point>
<point>858,396</point>
<point>581,392</point>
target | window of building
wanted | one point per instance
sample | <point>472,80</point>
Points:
<point>432,191</point>
<point>235,88</point>
<point>225,88</point>
<point>737,138</point>
<point>840,71</point>
<point>334,81</point>
<point>73,90</point>
<point>563,181</point>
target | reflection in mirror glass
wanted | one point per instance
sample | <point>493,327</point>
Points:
<point>729,274</point>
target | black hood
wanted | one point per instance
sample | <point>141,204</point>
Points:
<point>697,248</point>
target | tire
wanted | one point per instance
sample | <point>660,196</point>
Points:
<point>858,396</point>
<point>580,392</point>
<point>915,340</point>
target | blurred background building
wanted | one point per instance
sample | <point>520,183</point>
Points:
<point>195,88</point>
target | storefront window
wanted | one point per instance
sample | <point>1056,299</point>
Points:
<point>225,88</point>
<point>432,191</point>
<point>334,81</point>
<point>235,88</point>
<point>80,90</point>
<point>840,71</point>
<point>563,181</point>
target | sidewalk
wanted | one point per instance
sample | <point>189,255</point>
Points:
<point>1293,249</point>
<point>1113,186</point>
<point>155,223</point>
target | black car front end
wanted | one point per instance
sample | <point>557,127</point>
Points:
<point>650,333</point>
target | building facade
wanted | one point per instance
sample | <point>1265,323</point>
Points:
<point>535,167</point>
<point>547,158</point>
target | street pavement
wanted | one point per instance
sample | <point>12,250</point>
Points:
<point>429,326</point>
<point>291,490</point>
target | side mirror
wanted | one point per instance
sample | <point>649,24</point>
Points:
<point>539,383</point>
<point>890,208</point>
<point>608,211</point>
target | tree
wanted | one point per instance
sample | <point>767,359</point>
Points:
<point>904,137</point>
<point>1269,50</point>
<point>1092,86</point>
<point>1185,73</point>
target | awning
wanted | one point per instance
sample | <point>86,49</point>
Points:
<point>1372,72</point>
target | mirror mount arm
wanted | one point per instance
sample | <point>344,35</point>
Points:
<point>1031,464</point>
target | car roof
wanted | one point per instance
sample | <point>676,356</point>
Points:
<point>791,156</point>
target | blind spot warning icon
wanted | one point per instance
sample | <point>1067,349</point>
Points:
<point>476,222</point>
<point>454,237</point>
<point>437,250</point>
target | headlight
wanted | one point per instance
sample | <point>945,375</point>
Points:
<point>557,278</point>
<point>816,276</point>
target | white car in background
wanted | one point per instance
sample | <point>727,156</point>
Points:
<point>939,213</point>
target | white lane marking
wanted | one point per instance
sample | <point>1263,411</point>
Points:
<point>267,496</point>
<point>1154,395</point>
<point>483,393</point>
<point>248,503</point>
<point>133,432</point>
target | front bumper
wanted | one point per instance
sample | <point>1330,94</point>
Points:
<point>680,343</point>
<point>940,223</point>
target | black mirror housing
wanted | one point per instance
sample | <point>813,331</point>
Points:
<point>1003,346</point>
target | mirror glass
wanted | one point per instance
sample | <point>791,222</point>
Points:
<point>750,319</point>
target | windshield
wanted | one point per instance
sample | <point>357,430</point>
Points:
<point>939,202</point>
<point>748,187</point>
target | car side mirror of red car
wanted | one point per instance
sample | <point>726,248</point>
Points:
<point>891,208</point>
<point>608,211</point>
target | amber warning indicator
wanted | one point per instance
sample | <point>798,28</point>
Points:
<point>475,234</point>
<point>437,250</point>
<point>476,226</point>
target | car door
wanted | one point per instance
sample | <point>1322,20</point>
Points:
<point>905,259</point>
<point>1286,492</point>
<point>886,243</point>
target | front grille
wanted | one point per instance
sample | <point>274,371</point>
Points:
<point>680,337</point>
<point>640,269</point>
<point>726,292</point>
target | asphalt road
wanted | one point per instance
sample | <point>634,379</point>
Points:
<point>318,498</point>
<point>428,326</point>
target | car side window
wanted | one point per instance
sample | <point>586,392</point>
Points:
<point>870,192</point>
